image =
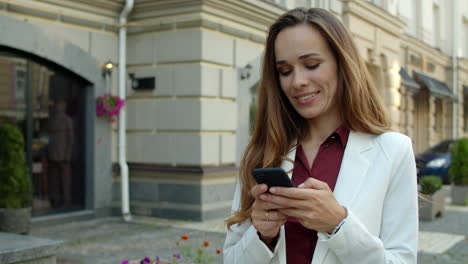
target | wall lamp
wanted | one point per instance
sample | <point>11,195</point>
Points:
<point>133,80</point>
<point>245,72</point>
<point>144,83</point>
<point>107,69</point>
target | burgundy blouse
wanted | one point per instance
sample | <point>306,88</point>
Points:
<point>300,241</point>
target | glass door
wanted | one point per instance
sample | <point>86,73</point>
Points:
<point>47,103</point>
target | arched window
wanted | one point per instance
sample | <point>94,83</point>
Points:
<point>47,103</point>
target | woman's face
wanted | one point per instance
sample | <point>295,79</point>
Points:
<point>307,71</point>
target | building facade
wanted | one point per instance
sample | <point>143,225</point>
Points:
<point>192,69</point>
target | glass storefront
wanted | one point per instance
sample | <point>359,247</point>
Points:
<point>47,103</point>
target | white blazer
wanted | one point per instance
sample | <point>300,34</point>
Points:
<point>377,184</point>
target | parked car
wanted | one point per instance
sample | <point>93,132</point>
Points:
<point>435,161</point>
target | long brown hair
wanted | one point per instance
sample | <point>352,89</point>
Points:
<point>278,127</point>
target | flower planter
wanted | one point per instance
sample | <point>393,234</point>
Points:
<point>16,221</point>
<point>460,194</point>
<point>431,206</point>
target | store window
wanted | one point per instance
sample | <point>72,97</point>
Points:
<point>47,103</point>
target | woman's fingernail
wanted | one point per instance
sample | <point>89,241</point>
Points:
<point>272,190</point>
<point>263,197</point>
<point>301,185</point>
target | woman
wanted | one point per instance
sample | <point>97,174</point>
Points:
<point>321,120</point>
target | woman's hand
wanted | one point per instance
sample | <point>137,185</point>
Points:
<point>265,216</point>
<point>313,204</point>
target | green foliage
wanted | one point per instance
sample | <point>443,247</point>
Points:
<point>430,184</point>
<point>458,170</point>
<point>15,184</point>
<point>196,256</point>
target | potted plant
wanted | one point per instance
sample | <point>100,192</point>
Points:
<point>15,184</point>
<point>432,199</point>
<point>458,172</point>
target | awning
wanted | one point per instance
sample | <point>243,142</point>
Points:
<point>408,82</point>
<point>436,87</point>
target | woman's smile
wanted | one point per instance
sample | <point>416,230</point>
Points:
<point>306,98</point>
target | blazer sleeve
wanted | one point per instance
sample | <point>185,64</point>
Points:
<point>397,242</point>
<point>243,245</point>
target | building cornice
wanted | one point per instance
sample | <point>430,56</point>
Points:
<point>242,18</point>
<point>63,12</point>
<point>257,15</point>
<point>374,15</point>
<point>106,8</point>
<point>422,48</point>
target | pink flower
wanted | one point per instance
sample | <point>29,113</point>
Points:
<point>109,106</point>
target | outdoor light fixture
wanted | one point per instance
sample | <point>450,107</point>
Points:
<point>107,70</point>
<point>143,83</point>
<point>245,72</point>
<point>133,80</point>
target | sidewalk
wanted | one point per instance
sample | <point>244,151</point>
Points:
<point>109,240</point>
<point>445,240</point>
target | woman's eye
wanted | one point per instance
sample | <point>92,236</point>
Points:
<point>284,73</point>
<point>313,67</point>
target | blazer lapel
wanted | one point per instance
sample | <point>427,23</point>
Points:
<point>351,177</point>
<point>354,167</point>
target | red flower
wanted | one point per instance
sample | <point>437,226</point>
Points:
<point>185,237</point>
<point>206,244</point>
<point>218,251</point>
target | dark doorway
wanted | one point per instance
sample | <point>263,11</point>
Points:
<point>47,103</point>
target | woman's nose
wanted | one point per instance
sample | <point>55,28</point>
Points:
<point>299,79</point>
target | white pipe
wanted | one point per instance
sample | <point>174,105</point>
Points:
<point>455,39</point>
<point>122,120</point>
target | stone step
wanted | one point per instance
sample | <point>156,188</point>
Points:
<point>19,249</point>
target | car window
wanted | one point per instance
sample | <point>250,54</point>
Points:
<point>442,147</point>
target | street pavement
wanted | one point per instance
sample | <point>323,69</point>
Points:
<point>110,240</point>
<point>445,240</point>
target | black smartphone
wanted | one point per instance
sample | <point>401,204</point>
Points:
<point>272,177</point>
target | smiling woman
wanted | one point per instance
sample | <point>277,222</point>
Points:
<point>308,73</point>
<point>321,119</point>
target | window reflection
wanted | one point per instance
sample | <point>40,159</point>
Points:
<point>47,104</point>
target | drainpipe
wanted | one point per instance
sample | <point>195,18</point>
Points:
<point>455,39</point>
<point>122,120</point>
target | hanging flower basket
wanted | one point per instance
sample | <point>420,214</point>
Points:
<point>109,106</point>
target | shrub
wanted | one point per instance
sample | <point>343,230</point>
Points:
<point>15,184</point>
<point>458,170</point>
<point>430,184</point>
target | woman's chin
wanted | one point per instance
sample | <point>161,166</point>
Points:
<point>308,115</point>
